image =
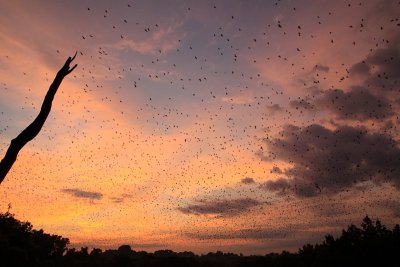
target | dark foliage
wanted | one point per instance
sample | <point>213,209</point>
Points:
<point>20,245</point>
<point>371,245</point>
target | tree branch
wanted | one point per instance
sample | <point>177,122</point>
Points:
<point>34,128</point>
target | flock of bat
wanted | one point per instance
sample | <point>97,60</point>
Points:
<point>215,106</point>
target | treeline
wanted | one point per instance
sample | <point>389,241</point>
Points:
<point>371,245</point>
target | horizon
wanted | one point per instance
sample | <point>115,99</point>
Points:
<point>237,126</point>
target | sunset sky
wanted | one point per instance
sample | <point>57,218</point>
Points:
<point>241,126</point>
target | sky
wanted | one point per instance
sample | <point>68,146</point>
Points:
<point>243,126</point>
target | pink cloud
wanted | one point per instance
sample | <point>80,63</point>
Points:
<point>161,41</point>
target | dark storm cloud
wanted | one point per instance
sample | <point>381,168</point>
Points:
<point>221,207</point>
<point>380,68</point>
<point>386,61</point>
<point>330,161</point>
<point>83,194</point>
<point>361,68</point>
<point>247,180</point>
<point>378,78</point>
<point>357,104</point>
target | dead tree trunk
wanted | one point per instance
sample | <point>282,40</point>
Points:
<point>34,128</point>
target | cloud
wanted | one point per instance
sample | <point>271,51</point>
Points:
<point>386,62</point>
<point>247,180</point>
<point>83,194</point>
<point>380,68</point>
<point>322,68</point>
<point>280,185</point>
<point>275,108</point>
<point>357,104</point>
<point>245,97</point>
<point>377,79</point>
<point>121,198</point>
<point>392,205</point>
<point>247,233</point>
<point>329,208</point>
<point>301,104</point>
<point>221,207</point>
<point>276,169</point>
<point>330,161</point>
<point>360,68</point>
<point>161,41</point>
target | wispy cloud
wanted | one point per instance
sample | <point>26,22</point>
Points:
<point>83,194</point>
<point>248,233</point>
<point>161,40</point>
<point>274,109</point>
<point>121,198</point>
<point>246,97</point>
<point>247,180</point>
<point>221,207</point>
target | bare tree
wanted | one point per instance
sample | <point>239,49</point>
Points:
<point>34,128</point>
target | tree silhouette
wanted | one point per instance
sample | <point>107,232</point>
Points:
<point>34,128</point>
<point>371,245</point>
<point>21,245</point>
